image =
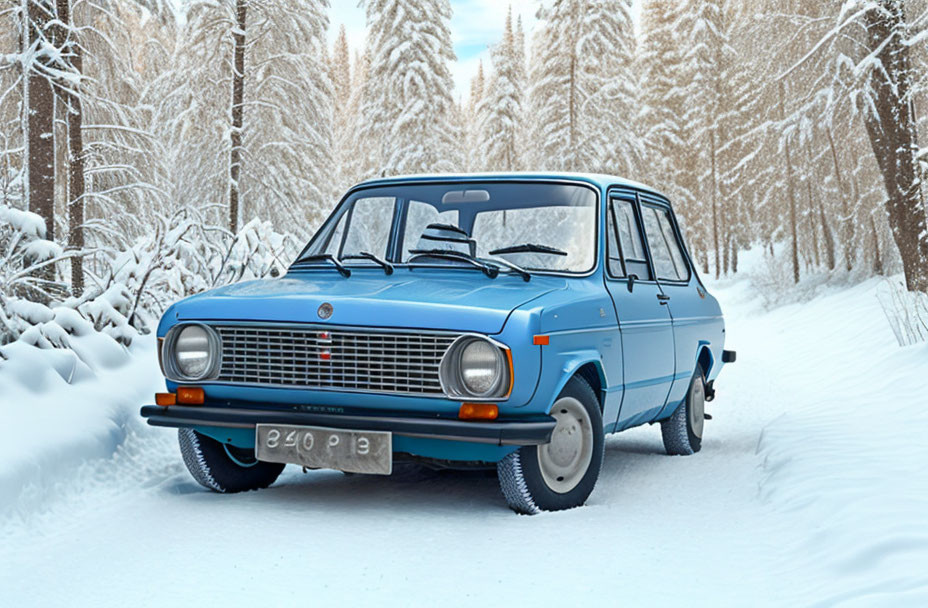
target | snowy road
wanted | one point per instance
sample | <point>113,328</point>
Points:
<point>810,489</point>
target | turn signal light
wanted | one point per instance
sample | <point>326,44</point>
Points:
<point>165,399</point>
<point>478,411</point>
<point>541,340</point>
<point>190,395</point>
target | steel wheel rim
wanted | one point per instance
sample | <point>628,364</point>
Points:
<point>565,460</point>
<point>697,407</point>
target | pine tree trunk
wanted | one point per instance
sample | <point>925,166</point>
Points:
<point>877,257</point>
<point>238,113</point>
<point>572,109</point>
<point>40,124</point>
<point>829,239</point>
<point>715,205</point>
<point>812,223</point>
<point>894,138</point>
<point>794,232</point>
<point>76,185</point>
<point>850,246</point>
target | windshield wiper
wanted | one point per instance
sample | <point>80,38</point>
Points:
<point>490,271</point>
<point>326,257</point>
<point>525,274</point>
<point>529,248</point>
<point>364,255</point>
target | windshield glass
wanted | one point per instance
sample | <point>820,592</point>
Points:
<point>544,227</point>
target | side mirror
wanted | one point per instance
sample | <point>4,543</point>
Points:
<point>631,282</point>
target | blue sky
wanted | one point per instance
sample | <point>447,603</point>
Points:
<point>475,26</point>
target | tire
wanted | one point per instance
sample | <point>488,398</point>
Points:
<point>561,474</point>
<point>223,468</point>
<point>683,431</point>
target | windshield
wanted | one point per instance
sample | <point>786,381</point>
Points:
<point>541,227</point>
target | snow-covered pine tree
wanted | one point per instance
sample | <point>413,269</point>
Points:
<point>703,26</point>
<point>342,123</point>
<point>286,117</point>
<point>408,94</point>
<point>502,127</point>
<point>660,58</point>
<point>583,87</point>
<point>473,118</point>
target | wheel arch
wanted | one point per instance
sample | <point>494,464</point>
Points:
<point>591,370</point>
<point>704,358</point>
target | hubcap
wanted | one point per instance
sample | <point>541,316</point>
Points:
<point>565,460</point>
<point>697,407</point>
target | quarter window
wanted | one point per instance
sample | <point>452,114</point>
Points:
<point>669,261</point>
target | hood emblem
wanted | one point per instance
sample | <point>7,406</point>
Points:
<point>325,310</point>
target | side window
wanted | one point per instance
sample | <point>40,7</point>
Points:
<point>631,248</point>
<point>669,261</point>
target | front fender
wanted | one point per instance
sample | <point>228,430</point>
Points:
<point>557,369</point>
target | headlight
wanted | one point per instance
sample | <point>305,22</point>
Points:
<point>475,368</point>
<point>193,352</point>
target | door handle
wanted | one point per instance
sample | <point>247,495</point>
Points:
<point>664,298</point>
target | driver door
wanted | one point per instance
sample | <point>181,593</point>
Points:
<point>645,323</point>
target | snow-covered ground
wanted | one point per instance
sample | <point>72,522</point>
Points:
<point>810,490</point>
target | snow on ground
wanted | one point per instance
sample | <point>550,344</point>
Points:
<point>809,490</point>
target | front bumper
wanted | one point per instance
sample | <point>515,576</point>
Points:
<point>524,431</point>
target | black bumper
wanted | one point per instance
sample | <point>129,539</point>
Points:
<point>528,431</point>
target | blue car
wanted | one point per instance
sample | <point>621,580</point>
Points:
<point>506,321</point>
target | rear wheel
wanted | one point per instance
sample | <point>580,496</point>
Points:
<point>682,432</point>
<point>562,473</point>
<point>224,468</point>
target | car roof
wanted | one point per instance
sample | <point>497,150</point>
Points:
<point>597,179</point>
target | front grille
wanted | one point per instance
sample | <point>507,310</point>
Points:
<point>321,358</point>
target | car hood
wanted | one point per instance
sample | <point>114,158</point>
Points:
<point>424,299</point>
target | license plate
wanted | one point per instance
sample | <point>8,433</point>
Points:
<point>316,447</point>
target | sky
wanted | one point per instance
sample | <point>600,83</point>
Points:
<point>475,26</point>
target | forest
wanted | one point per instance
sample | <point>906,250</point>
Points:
<point>150,150</point>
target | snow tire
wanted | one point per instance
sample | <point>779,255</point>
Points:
<point>680,437</point>
<point>213,466</point>
<point>520,476</point>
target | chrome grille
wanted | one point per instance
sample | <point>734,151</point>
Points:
<point>400,363</point>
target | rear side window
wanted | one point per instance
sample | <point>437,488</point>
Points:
<point>666,251</point>
<point>629,257</point>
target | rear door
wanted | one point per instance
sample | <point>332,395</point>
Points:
<point>687,305</point>
<point>644,318</point>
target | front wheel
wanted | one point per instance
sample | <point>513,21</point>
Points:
<point>682,432</point>
<point>562,473</point>
<point>224,468</point>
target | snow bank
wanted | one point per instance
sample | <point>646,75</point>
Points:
<point>63,406</point>
<point>843,454</point>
